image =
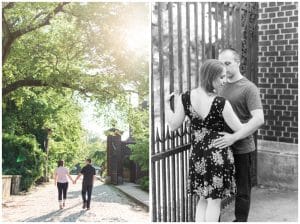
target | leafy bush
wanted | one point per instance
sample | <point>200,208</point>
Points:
<point>21,156</point>
<point>144,183</point>
<point>140,129</point>
<point>140,153</point>
<point>104,173</point>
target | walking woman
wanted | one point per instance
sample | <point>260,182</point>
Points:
<point>211,170</point>
<point>60,179</point>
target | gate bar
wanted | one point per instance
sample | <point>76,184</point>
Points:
<point>188,46</point>
<point>196,42</point>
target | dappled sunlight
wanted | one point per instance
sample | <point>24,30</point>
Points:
<point>77,69</point>
<point>136,37</point>
<point>105,201</point>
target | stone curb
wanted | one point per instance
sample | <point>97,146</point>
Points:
<point>141,203</point>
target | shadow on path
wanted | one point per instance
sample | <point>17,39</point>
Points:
<point>73,217</point>
<point>103,193</point>
<point>49,217</point>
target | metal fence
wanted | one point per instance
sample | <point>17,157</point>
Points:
<point>183,36</point>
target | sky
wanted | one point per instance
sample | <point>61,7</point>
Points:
<point>136,40</point>
<point>94,125</point>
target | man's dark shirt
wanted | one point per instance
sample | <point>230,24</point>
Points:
<point>244,97</point>
<point>88,173</point>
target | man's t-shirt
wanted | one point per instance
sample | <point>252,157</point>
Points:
<point>88,173</point>
<point>244,97</point>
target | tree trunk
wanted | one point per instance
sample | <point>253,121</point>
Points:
<point>7,39</point>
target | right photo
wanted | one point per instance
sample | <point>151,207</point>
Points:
<point>224,112</point>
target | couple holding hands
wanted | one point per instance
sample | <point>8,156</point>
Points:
<point>61,181</point>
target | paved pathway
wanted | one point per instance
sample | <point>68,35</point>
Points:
<point>268,205</point>
<point>40,205</point>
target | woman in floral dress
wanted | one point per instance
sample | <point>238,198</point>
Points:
<point>211,170</point>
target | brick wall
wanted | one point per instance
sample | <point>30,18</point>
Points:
<point>278,70</point>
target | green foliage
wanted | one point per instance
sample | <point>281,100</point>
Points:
<point>30,112</point>
<point>140,152</point>
<point>55,53</point>
<point>138,120</point>
<point>82,48</point>
<point>144,183</point>
<point>96,150</point>
<point>21,156</point>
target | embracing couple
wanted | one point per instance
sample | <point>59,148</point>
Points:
<point>61,181</point>
<point>221,114</point>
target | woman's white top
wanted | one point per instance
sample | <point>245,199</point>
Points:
<point>62,174</point>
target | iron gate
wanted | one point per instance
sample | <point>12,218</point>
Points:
<point>183,36</point>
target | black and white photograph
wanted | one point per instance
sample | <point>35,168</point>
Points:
<point>224,114</point>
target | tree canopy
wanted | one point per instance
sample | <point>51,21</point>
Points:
<point>54,54</point>
<point>81,46</point>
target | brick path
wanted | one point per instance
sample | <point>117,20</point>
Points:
<point>40,205</point>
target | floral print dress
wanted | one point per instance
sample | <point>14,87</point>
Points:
<point>211,170</point>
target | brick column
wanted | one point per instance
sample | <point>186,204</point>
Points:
<point>278,70</point>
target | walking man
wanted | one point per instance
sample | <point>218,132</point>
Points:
<point>246,103</point>
<point>89,176</point>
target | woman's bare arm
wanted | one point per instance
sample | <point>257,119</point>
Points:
<point>68,174</point>
<point>231,118</point>
<point>174,118</point>
<point>55,177</point>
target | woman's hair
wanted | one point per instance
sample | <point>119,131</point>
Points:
<point>60,163</point>
<point>210,70</point>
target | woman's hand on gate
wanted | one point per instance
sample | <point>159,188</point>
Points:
<point>173,94</point>
<point>169,97</point>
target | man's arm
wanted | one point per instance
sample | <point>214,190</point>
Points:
<point>249,128</point>
<point>252,125</point>
<point>68,174</point>
<point>94,176</point>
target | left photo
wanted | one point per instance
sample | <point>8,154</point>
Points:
<point>75,121</point>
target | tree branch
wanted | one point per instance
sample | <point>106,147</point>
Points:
<point>44,22</point>
<point>9,39</point>
<point>21,83</point>
<point>36,83</point>
<point>39,83</point>
<point>9,5</point>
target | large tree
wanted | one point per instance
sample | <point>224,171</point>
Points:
<point>71,45</point>
<point>54,53</point>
